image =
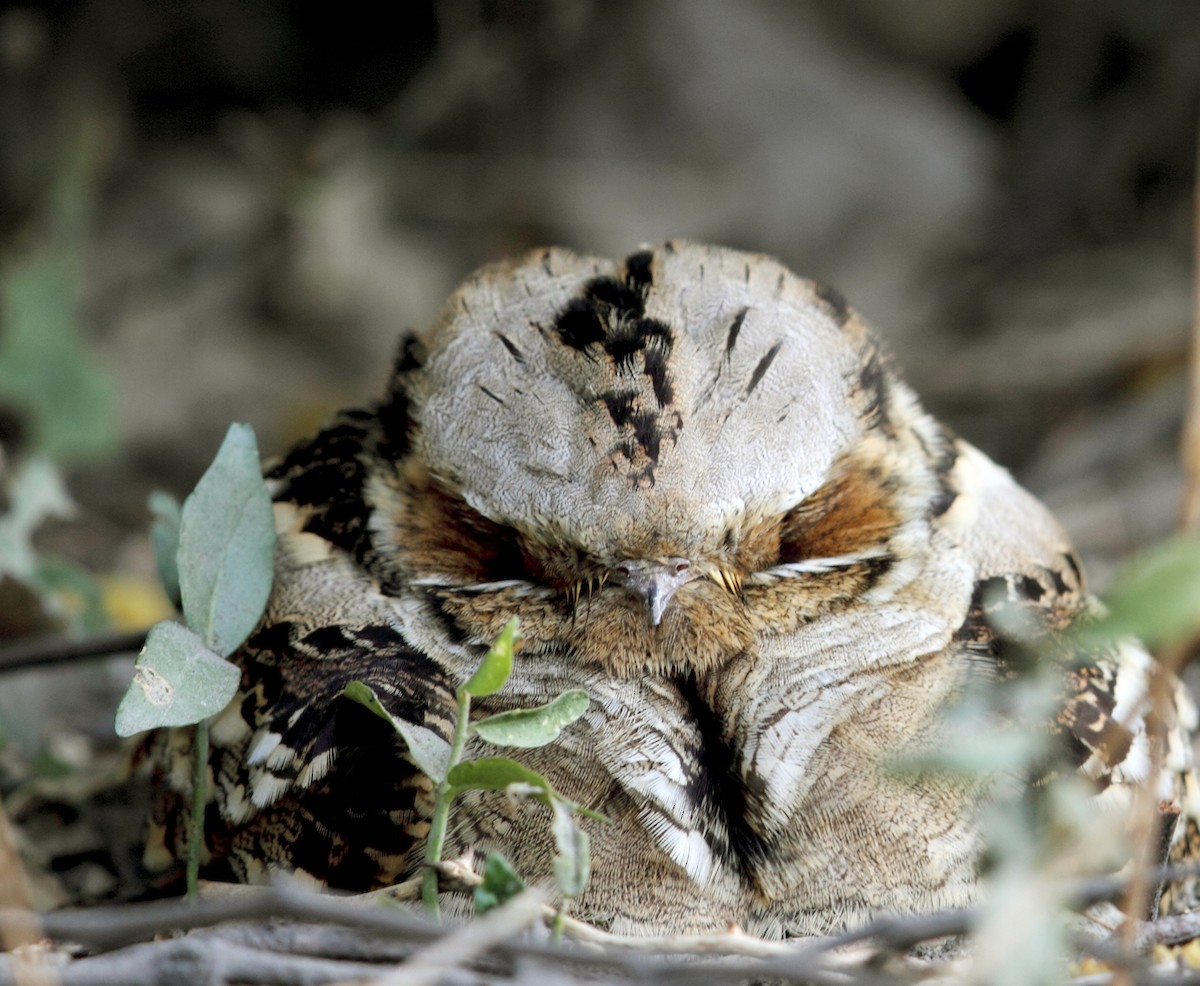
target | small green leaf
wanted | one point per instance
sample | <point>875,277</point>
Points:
<point>427,749</point>
<point>177,681</point>
<point>496,666</point>
<point>595,816</point>
<point>499,773</point>
<point>496,774</point>
<point>164,536</point>
<point>1157,597</point>
<point>573,864</point>
<point>227,545</point>
<point>500,883</point>
<point>533,727</point>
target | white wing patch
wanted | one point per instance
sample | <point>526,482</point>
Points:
<point>648,761</point>
<point>263,746</point>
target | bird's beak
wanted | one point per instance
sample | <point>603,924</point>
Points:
<point>655,581</point>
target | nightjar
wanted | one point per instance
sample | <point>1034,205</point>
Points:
<point>700,484</point>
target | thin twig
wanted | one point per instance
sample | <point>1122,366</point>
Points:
<point>63,650</point>
<point>467,943</point>
<point>1147,813</point>
<point>727,957</point>
<point>124,924</point>
<point>195,960</point>
<point>720,943</point>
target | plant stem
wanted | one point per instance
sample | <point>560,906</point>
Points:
<point>560,919</point>
<point>441,807</point>
<point>199,797</point>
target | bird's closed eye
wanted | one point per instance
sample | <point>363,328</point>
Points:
<point>447,541</point>
<point>847,521</point>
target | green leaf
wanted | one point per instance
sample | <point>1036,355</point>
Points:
<point>500,883</point>
<point>496,666</point>
<point>164,536</point>
<point>1157,597</point>
<point>427,749</point>
<point>533,727</point>
<point>44,366</point>
<point>500,773</point>
<point>496,774</point>
<point>177,681</point>
<point>227,545</point>
<point>573,864</point>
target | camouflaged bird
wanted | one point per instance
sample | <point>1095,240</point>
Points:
<point>702,487</point>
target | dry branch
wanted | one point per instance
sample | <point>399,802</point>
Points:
<point>41,652</point>
<point>290,935</point>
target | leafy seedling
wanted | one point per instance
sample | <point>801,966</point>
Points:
<point>523,728</point>
<point>216,555</point>
<point>500,883</point>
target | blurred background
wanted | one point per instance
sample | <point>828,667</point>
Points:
<point>216,211</point>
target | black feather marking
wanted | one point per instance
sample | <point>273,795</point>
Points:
<point>376,636</point>
<point>873,382</point>
<point>326,640</point>
<point>625,302</point>
<point>876,569</point>
<point>833,301</point>
<point>498,400</point>
<point>717,785</point>
<point>620,405</point>
<point>734,329</point>
<point>1073,565</point>
<point>622,347</point>
<point>652,330</point>
<point>327,474</point>
<point>611,313</point>
<point>763,365</point>
<point>455,634</point>
<point>647,433</point>
<point>511,347</point>
<point>637,271</point>
<point>338,826</point>
<point>396,425</point>
<point>655,360</point>
<point>411,354</point>
<point>579,324</point>
<point>989,599</point>
<point>628,448</point>
<point>942,501</point>
<point>945,456</point>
